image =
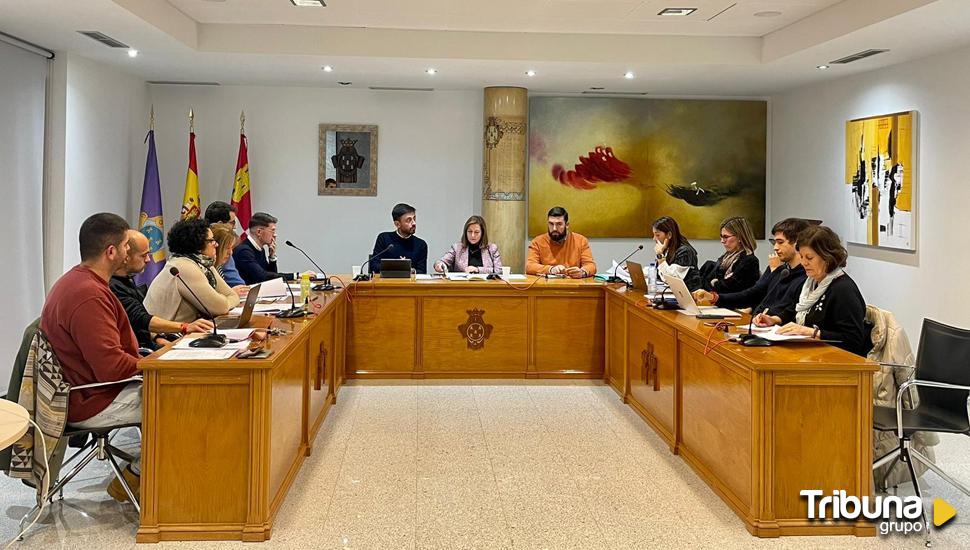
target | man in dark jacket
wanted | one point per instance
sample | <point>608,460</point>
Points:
<point>252,261</point>
<point>132,296</point>
<point>776,292</point>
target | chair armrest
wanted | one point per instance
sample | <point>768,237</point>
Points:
<point>897,366</point>
<point>136,378</point>
<point>929,384</point>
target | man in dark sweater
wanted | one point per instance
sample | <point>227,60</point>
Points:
<point>132,297</point>
<point>401,243</point>
<point>776,292</point>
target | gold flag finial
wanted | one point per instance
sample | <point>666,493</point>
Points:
<point>191,121</point>
<point>151,119</point>
<point>242,122</point>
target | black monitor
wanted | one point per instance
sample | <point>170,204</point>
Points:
<point>395,268</point>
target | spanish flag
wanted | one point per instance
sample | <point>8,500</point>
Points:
<point>240,188</point>
<point>190,199</point>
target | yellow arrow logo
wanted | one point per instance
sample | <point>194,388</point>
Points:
<point>942,512</point>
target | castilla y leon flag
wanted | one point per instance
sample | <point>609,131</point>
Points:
<point>240,189</point>
<point>150,220</point>
<point>190,200</point>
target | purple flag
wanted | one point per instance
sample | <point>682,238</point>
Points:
<point>150,220</point>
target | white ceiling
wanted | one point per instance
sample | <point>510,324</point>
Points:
<point>712,18</point>
<point>258,42</point>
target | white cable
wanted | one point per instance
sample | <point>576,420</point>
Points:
<point>44,485</point>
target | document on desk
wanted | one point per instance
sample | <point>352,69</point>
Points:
<point>262,308</point>
<point>423,277</point>
<point>186,342</point>
<point>772,335</point>
<point>198,354</point>
<point>273,288</point>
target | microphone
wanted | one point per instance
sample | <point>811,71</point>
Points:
<point>294,311</point>
<point>325,286</point>
<point>366,276</point>
<point>613,278</point>
<point>494,273</point>
<point>214,340</point>
<point>753,340</point>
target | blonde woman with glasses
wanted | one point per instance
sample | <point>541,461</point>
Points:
<point>738,268</point>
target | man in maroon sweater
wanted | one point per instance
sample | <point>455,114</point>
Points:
<point>91,336</point>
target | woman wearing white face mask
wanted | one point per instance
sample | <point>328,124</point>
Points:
<point>830,306</point>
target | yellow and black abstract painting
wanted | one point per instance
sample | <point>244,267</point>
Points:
<point>617,164</point>
<point>880,182</point>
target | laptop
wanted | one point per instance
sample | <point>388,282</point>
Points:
<point>686,301</point>
<point>395,268</point>
<point>247,313</point>
<point>636,276</point>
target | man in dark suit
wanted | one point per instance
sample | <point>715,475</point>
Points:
<point>252,261</point>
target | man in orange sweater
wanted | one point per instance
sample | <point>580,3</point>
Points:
<point>560,251</point>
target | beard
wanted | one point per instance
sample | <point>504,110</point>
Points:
<point>557,236</point>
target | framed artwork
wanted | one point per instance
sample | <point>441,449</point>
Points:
<point>880,179</point>
<point>617,164</point>
<point>347,160</point>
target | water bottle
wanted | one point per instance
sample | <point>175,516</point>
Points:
<point>652,277</point>
<point>304,288</point>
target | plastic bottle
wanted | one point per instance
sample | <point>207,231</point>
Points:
<point>652,276</point>
<point>304,288</point>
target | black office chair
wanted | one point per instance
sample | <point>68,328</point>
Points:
<point>943,384</point>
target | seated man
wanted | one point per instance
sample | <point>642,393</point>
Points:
<point>132,297</point>
<point>252,261</point>
<point>401,243</point>
<point>221,212</point>
<point>560,251</point>
<point>92,338</point>
<point>776,292</point>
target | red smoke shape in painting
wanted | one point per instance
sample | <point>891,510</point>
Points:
<point>599,167</point>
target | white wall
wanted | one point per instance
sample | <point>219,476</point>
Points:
<point>429,156</point>
<point>99,118</point>
<point>808,134</point>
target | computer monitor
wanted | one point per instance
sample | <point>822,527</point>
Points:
<point>395,268</point>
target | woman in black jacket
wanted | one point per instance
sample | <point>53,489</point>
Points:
<point>830,306</point>
<point>675,255</point>
<point>738,268</point>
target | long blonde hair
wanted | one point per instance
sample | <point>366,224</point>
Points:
<point>740,228</point>
<point>226,237</point>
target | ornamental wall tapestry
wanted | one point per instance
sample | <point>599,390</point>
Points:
<point>347,162</point>
<point>617,164</point>
<point>880,181</point>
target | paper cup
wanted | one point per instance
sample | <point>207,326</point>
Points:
<point>355,270</point>
<point>506,272</point>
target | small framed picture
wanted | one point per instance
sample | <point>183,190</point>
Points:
<point>347,160</point>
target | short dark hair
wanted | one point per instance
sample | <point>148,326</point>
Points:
<point>261,219</point>
<point>100,231</point>
<point>791,228</point>
<point>218,212</point>
<point>188,236</point>
<point>401,209</point>
<point>826,243</point>
<point>558,212</point>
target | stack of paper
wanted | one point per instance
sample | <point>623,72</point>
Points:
<point>273,289</point>
<point>198,354</point>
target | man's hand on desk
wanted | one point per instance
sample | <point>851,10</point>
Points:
<point>575,273</point>
<point>557,270</point>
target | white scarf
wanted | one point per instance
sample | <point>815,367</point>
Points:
<point>811,292</point>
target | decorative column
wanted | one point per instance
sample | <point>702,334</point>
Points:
<point>503,171</point>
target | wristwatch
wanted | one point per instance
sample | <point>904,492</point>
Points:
<point>816,333</point>
<point>660,256</point>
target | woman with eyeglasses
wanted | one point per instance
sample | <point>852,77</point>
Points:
<point>738,268</point>
<point>193,252</point>
<point>675,255</point>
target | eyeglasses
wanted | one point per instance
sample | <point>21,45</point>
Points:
<point>212,241</point>
<point>726,237</point>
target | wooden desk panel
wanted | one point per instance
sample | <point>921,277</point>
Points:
<point>452,339</point>
<point>381,338</point>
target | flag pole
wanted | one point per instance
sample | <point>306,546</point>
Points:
<point>191,122</point>
<point>242,122</point>
<point>151,119</point>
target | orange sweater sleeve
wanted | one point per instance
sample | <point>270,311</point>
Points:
<point>586,257</point>
<point>533,264</point>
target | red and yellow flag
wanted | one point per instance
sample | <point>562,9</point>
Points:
<point>191,203</point>
<point>240,188</point>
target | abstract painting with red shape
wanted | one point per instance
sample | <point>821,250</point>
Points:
<point>601,166</point>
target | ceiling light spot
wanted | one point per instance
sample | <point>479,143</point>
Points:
<point>629,75</point>
<point>821,67</point>
<point>345,83</point>
<point>676,12</point>
<point>596,88</point>
<point>530,72</point>
<point>132,53</point>
<point>327,69</point>
<point>309,3</point>
<point>431,70</point>
<point>767,14</point>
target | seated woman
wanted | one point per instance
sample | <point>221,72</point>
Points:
<point>225,239</point>
<point>738,268</point>
<point>473,254</point>
<point>830,306</point>
<point>675,255</point>
<point>193,252</point>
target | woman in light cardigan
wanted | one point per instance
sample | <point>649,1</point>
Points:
<point>193,253</point>
<point>473,254</point>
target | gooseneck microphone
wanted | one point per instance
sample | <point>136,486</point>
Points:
<point>613,278</point>
<point>295,310</point>
<point>212,340</point>
<point>366,276</point>
<point>325,286</point>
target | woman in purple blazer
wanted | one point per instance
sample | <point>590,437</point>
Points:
<point>473,254</point>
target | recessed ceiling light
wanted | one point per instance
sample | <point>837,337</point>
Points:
<point>676,11</point>
<point>345,83</point>
<point>431,70</point>
<point>821,67</point>
<point>327,69</point>
<point>132,53</point>
<point>309,3</point>
<point>628,75</point>
<point>767,14</point>
<point>596,88</point>
<point>530,72</point>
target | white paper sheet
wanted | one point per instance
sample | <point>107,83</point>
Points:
<point>273,288</point>
<point>198,354</point>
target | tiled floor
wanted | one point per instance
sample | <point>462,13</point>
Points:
<point>506,464</point>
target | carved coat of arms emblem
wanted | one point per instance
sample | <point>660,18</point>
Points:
<point>475,329</point>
